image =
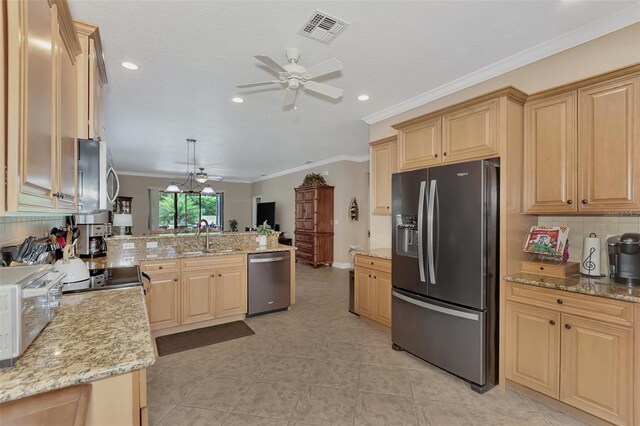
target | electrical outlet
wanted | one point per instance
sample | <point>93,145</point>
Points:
<point>128,246</point>
<point>127,259</point>
<point>335,222</point>
<point>152,244</point>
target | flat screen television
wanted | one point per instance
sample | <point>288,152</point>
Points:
<point>267,211</point>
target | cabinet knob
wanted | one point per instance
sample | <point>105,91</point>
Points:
<point>369,276</point>
<point>436,156</point>
<point>444,153</point>
<point>59,195</point>
<point>560,301</point>
<point>584,201</point>
<point>213,275</point>
<point>175,280</point>
<point>567,326</point>
<point>569,201</point>
<point>552,322</point>
<point>372,263</point>
<point>160,267</point>
<point>375,277</point>
<point>219,275</point>
<point>387,207</point>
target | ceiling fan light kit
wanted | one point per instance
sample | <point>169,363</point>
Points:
<point>194,179</point>
<point>293,75</point>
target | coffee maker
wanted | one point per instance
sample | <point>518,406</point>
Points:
<point>91,242</point>
<point>624,258</point>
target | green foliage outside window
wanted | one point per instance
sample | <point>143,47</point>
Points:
<point>190,209</point>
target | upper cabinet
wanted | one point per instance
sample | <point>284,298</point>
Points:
<point>468,131</point>
<point>92,77</point>
<point>383,164</point>
<point>41,50</point>
<point>582,148</point>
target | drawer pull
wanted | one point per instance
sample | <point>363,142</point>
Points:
<point>560,301</point>
<point>552,322</point>
<point>160,267</point>
<point>584,201</point>
<point>569,201</point>
<point>542,268</point>
<point>372,263</point>
<point>175,280</point>
<point>567,326</point>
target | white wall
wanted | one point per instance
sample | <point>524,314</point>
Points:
<point>237,199</point>
<point>612,51</point>
<point>13,230</point>
<point>351,179</point>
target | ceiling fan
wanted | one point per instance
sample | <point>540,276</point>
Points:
<point>294,75</point>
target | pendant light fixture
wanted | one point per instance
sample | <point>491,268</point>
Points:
<point>194,179</point>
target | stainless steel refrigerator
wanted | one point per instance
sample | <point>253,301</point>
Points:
<point>445,263</point>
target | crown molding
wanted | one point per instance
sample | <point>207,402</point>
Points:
<point>178,178</point>
<point>590,31</point>
<point>353,158</point>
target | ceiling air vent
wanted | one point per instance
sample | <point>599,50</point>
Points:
<point>323,27</point>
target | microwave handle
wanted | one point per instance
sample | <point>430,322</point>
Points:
<point>117,190</point>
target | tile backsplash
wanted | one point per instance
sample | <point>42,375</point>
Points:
<point>582,226</point>
<point>13,230</point>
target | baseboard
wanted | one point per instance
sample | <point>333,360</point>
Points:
<point>341,265</point>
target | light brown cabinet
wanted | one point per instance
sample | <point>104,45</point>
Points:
<point>231,291</point>
<point>373,289</point>
<point>198,296</point>
<point>92,77</point>
<point>41,53</point>
<point>163,300</point>
<point>582,149</point>
<point>383,165</point>
<point>419,145</point>
<point>314,225</point>
<point>575,348</point>
<point>470,133</point>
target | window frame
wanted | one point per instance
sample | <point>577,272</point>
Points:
<point>219,208</point>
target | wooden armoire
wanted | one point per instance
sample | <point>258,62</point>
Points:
<point>314,225</point>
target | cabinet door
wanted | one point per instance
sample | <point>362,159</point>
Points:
<point>383,164</point>
<point>163,301</point>
<point>364,293</point>
<point>198,296</point>
<point>67,142</point>
<point>470,133</point>
<point>609,146</point>
<point>299,214</point>
<point>533,348</point>
<point>383,297</point>
<point>95,97</point>
<point>419,145</point>
<point>597,368</point>
<point>231,289</point>
<point>550,143</point>
<point>31,105</point>
<point>310,201</point>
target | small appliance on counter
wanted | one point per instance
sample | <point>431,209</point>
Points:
<point>91,241</point>
<point>74,268</point>
<point>106,279</point>
<point>32,294</point>
<point>624,258</point>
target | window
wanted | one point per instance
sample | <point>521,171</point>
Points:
<point>185,210</point>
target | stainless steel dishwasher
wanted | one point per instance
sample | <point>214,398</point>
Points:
<point>269,282</point>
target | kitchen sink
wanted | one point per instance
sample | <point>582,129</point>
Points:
<point>197,252</point>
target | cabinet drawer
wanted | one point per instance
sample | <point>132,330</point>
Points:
<point>304,246</point>
<point>162,266</point>
<point>376,263</point>
<point>594,307</point>
<point>304,255</point>
<point>305,238</point>
<point>209,262</point>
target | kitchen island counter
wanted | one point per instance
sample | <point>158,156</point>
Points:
<point>382,253</point>
<point>94,335</point>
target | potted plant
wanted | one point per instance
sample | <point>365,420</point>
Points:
<point>263,231</point>
<point>313,179</point>
<point>233,224</point>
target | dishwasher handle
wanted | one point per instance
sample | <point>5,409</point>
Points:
<point>268,259</point>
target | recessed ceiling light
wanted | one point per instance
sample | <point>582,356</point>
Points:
<point>129,65</point>
<point>237,100</point>
<point>363,97</point>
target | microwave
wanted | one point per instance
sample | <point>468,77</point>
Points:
<point>29,296</point>
<point>98,183</point>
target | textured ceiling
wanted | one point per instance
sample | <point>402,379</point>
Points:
<point>192,54</point>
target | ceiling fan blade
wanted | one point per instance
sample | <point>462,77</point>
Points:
<point>261,83</point>
<point>289,97</point>
<point>270,63</point>
<point>323,89</point>
<point>324,67</point>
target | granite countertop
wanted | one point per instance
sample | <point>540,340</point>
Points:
<point>94,335</point>
<point>602,287</point>
<point>132,257</point>
<point>382,253</point>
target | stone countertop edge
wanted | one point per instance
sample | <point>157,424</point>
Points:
<point>381,253</point>
<point>600,287</point>
<point>94,335</point>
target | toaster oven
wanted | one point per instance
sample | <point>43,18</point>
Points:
<point>29,296</point>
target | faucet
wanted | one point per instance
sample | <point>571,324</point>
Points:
<point>198,230</point>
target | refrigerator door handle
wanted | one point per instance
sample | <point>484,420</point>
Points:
<point>443,310</point>
<point>430,248</point>
<point>423,187</point>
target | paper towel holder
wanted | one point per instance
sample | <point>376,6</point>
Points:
<point>591,258</point>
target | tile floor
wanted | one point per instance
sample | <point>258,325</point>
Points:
<point>320,365</point>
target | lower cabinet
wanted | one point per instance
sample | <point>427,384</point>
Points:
<point>373,289</point>
<point>563,352</point>
<point>196,290</point>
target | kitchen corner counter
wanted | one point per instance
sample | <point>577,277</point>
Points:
<point>381,253</point>
<point>94,335</point>
<point>602,287</point>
